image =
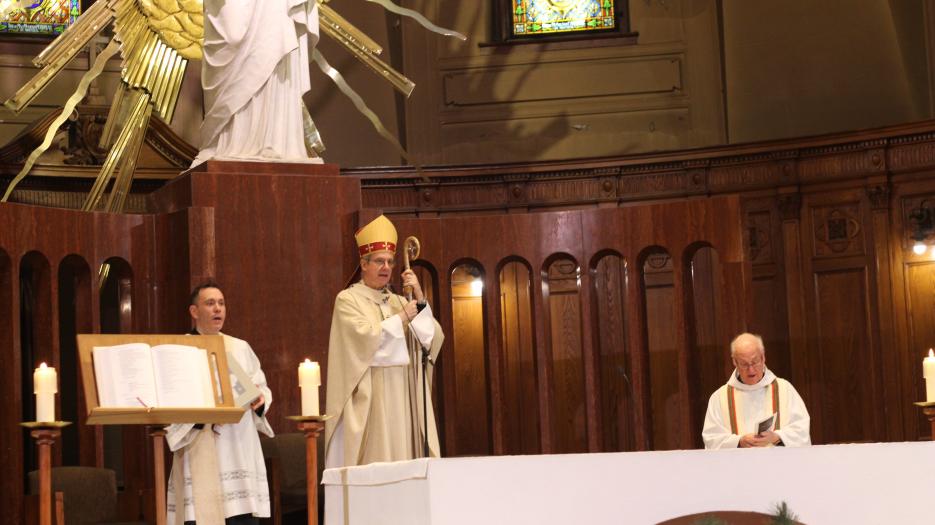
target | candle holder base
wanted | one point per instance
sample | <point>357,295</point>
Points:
<point>303,419</point>
<point>41,425</point>
<point>312,427</point>
<point>45,433</point>
<point>928,409</point>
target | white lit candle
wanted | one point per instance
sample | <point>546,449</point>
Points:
<point>928,372</point>
<point>309,381</point>
<point>45,385</point>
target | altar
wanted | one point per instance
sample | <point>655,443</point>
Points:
<point>829,484</point>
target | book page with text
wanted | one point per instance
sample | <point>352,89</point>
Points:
<point>182,376</point>
<point>124,375</point>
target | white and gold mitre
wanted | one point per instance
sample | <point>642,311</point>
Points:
<point>378,235</point>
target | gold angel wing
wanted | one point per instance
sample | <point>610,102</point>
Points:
<point>152,73</point>
<point>157,39</point>
<point>180,23</point>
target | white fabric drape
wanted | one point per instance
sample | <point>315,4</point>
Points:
<point>254,73</point>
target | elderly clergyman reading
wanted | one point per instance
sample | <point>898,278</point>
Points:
<point>755,408</point>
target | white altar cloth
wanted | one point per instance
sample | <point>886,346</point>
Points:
<point>832,484</point>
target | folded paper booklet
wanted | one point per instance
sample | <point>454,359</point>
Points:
<point>245,392</point>
<point>137,375</point>
<point>767,424</point>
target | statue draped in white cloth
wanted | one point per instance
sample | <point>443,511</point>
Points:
<point>254,73</point>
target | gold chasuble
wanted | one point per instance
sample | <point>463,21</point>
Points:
<point>375,379</point>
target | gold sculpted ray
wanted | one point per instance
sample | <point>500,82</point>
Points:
<point>157,38</point>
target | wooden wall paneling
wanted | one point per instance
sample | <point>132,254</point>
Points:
<point>610,282</point>
<point>567,360</point>
<point>12,487</point>
<point>57,237</point>
<point>844,359</point>
<point>74,314</point>
<point>663,358</point>
<point>686,436</point>
<point>708,348</point>
<point>543,333</point>
<point>469,357</point>
<point>38,330</point>
<point>520,431</point>
<point>770,316</point>
<point>590,361</point>
<point>789,203</point>
<point>496,355</point>
<point>555,234</point>
<point>920,287</point>
<point>888,355</point>
<point>638,349</point>
<point>913,299</point>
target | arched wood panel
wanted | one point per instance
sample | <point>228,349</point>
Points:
<point>79,441</point>
<point>610,281</point>
<point>561,277</point>
<point>469,359</point>
<point>518,365</point>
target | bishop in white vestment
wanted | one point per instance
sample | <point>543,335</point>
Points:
<point>752,394</point>
<point>375,384</point>
<point>219,469</point>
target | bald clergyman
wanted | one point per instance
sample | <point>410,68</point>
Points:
<point>374,364</point>
<point>752,394</point>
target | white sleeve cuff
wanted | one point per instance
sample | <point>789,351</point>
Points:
<point>392,350</point>
<point>423,325</point>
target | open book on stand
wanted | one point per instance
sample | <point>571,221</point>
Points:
<point>137,375</point>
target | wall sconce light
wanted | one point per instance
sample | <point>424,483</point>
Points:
<point>477,287</point>
<point>923,226</point>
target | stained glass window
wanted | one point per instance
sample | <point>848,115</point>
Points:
<point>551,17</point>
<point>37,17</point>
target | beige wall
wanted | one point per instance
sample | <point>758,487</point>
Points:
<point>550,101</point>
<point>790,69</point>
<point>801,67</point>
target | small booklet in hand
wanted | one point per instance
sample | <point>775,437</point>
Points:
<point>137,375</point>
<point>245,392</point>
<point>766,425</point>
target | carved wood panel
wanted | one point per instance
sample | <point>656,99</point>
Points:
<point>837,231</point>
<point>521,430</point>
<point>846,375</point>
<point>611,280</point>
<point>920,280</point>
<point>470,363</point>
<point>568,403</point>
<point>658,282</point>
<point>709,359</point>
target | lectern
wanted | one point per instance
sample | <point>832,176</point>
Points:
<point>223,412</point>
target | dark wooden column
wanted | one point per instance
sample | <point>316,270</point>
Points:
<point>878,196</point>
<point>790,208</point>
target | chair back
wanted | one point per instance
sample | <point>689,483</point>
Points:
<point>90,493</point>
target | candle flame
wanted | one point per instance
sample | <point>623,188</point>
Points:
<point>307,361</point>
<point>931,353</point>
<point>43,365</point>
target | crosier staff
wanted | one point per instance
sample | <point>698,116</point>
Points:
<point>411,249</point>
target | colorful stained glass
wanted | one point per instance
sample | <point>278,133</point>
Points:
<point>39,17</point>
<point>543,17</point>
